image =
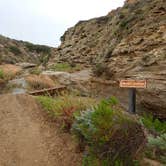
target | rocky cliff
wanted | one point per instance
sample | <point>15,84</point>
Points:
<point>130,42</point>
<point>14,51</point>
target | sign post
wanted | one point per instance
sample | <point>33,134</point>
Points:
<point>132,100</point>
<point>132,85</point>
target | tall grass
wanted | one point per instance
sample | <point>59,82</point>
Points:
<point>1,74</point>
<point>65,107</point>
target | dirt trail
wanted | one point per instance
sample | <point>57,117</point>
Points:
<point>28,138</point>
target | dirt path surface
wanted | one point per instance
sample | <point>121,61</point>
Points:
<point>28,138</point>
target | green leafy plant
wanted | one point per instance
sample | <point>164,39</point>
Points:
<point>90,160</point>
<point>158,142</point>
<point>157,148</point>
<point>153,124</point>
<point>48,104</point>
<point>107,132</point>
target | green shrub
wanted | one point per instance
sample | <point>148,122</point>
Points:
<point>152,124</point>
<point>157,148</point>
<point>108,133</point>
<point>99,69</point>
<point>158,142</point>
<point>90,160</point>
<point>1,74</point>
<point>38,48</point>
<point>126,21</point>
<point>15,50</point>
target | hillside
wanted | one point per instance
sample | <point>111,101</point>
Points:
<point>129,42</point>
<point>14,51</point>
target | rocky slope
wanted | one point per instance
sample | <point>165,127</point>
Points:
<point>13,51</point>
<point>129,42</point>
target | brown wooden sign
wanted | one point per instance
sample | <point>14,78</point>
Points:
<point>133,83</point>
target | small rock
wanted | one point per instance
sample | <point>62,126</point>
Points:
<point>26,65</point>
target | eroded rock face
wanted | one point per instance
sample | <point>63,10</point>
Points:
<point>130,41</point>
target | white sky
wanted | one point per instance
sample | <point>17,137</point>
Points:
<point>44,21</point>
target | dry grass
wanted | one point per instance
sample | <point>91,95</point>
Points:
<point>10,71</point>
<point>38,82</point>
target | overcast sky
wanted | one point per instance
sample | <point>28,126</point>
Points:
<point>44,21</point>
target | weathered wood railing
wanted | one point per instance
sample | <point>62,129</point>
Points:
<point>49,91</point>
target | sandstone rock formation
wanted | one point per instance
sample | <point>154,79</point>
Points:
<point>130,42</point>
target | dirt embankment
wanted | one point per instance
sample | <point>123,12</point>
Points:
<point>28,138</point>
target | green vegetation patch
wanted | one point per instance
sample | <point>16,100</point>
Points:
<point>154,125</point>
<point>1,74</point>
<point>38,48</point>
<point>66,67</point>
<point>15,50</point>
<point>156,147</point>
<point>109,134</point>
<point>65,107</point>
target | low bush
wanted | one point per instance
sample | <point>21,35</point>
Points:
<point>38,48</point>
<point>15,50</point>
<point>156,148</point>
<point>112,137</point>
<point>153,124</point>
<point>99,69</point>
<point>127,22</point>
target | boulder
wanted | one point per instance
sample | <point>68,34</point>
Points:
<point>74,81</point>
<point>62,77</point>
